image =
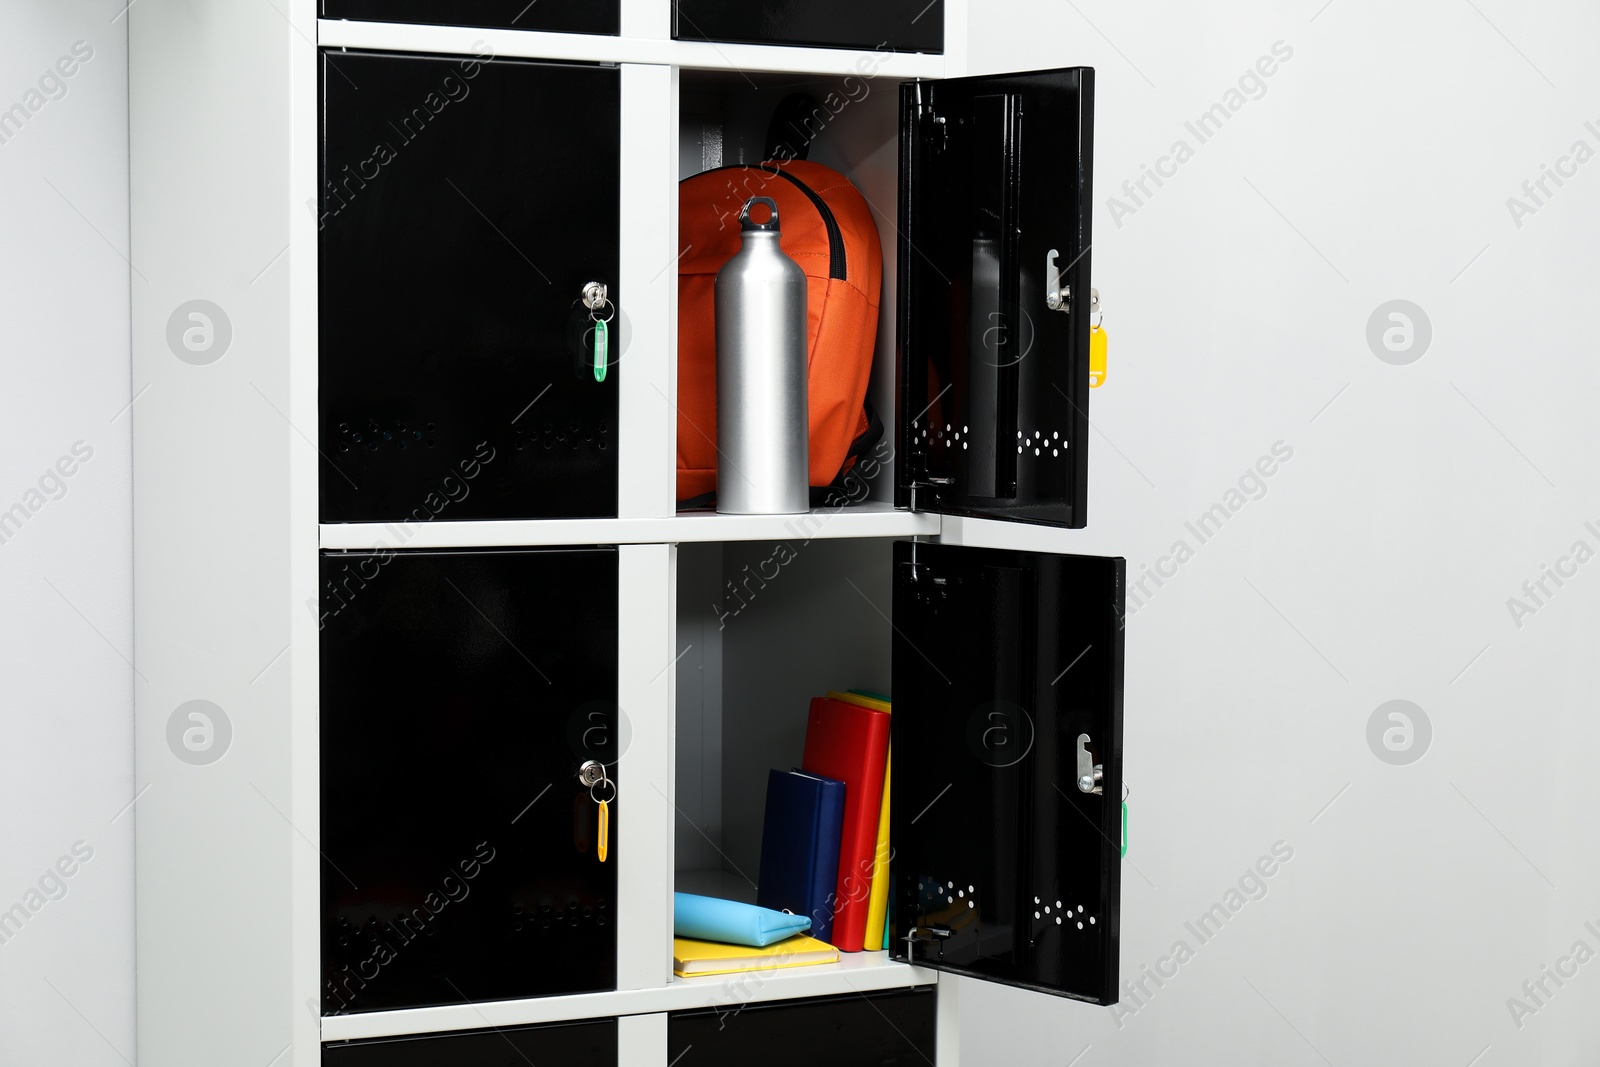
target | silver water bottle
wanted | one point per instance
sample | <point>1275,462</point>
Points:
<point>763,439</point>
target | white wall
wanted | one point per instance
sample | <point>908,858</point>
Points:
<point>66,763</point>
<point>1378,565</point>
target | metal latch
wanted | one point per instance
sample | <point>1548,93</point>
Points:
<point>924,935</point>
<point>1090,773</point>
<point>1058,297</point>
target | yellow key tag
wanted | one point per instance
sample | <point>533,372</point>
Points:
<point>602,846</point>
<point>1097,357</point>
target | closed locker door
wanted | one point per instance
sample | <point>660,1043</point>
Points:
<point>461,693</point>
<point>591,1043</point>
<point>466,204</point>
<point>563,16</point>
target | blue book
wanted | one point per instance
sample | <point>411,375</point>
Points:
<point>800,847</point>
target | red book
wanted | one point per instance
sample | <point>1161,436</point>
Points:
<point>851,743</point>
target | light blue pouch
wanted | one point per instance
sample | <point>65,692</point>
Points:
<point>733,923</point>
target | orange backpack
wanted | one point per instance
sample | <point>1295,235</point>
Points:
<point>827,229</point>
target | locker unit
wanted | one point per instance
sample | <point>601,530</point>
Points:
<point>448,603</point>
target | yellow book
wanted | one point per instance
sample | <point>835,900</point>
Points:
<point>860,699</point>
<point>878,900</point>
<point>691,958</point>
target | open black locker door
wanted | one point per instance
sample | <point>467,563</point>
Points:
<point>1007,782</point>
<point>993,307</point>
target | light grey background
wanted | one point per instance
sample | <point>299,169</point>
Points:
<point>1375,166</point>
<point>66,750</point>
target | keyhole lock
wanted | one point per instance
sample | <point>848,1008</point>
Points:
<point>591,774</point>
<point>594,295</point>
<point>1090,773</point>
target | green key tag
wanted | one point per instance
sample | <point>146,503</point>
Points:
<point>602,345</point>
<point>1124,829</point>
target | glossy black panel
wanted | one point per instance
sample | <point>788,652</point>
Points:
<point>564,16</point>
<point>465,206</point>
<point>460,693</point>
<point>995,174</point>
<point>1007,870</point>
<point>872,1030</point>
<point>586,1044</point>
<point>891,25</point>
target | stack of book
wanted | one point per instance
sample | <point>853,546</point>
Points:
<point>716,936</point>
<point>825,840</point>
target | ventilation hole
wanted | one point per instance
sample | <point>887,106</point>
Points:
<point>1036,900</point>
<point>1055,453</point>
<point>961,892</point>
<point>947,427</point>
<point>1035,915</point>
<point>1019,450</point>
<point>1080,909</point>
<point>1036,451</point>
<point>1056,435</point>
<point>1047,909</point>
<point>1058,920</point>
<point>1091,920</point>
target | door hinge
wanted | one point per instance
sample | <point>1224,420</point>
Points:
<point>936,131</point>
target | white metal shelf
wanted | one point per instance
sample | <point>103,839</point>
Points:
<point>856,972</point>
<point>868,519</point>
<point>597,48</point>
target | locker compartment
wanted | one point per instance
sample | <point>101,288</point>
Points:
<point>868,1030</point>
<point>466,204</point>
<point>770,626</point>
<point>563,16</point>
<point>461,692</point>
<point>981,189</point>
<point>592,1043</point>
<point>1005,670</point>
<point>889,25</point>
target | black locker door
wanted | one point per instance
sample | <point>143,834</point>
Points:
<point>592,1043</point>
<point>892,1029</point>
<point>565,16</point>
<point>460,694</point>
<point>465,205</point>
<point>891,25</point>
<point>993,369</point>
<point>1006,665</point>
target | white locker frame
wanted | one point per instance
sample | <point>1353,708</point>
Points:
<point>224,121</point>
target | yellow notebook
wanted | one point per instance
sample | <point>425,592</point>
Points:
<point>860,699</point>
<point>878,899</point>
<point>691,958</point>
